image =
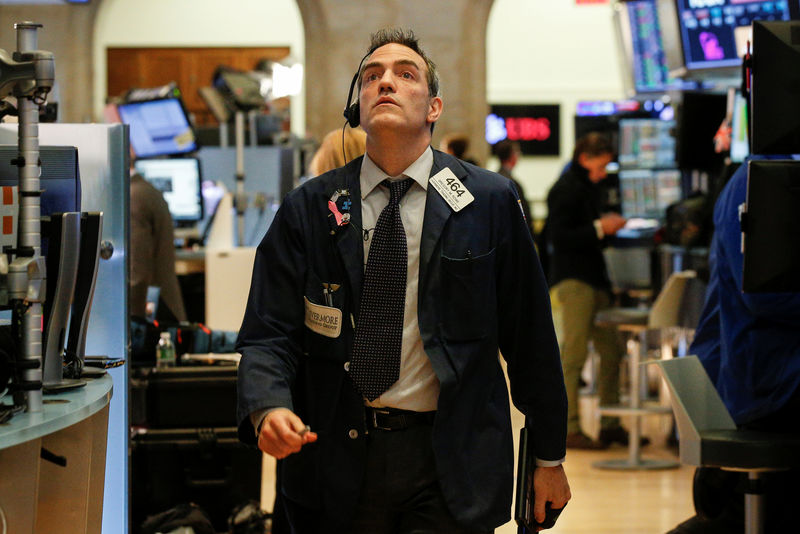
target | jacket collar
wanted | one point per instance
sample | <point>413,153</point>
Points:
<point>349,238</point>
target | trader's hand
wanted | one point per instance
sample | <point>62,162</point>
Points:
<point>611,223</point>
<point>283,433</point>
<point>550,485</point>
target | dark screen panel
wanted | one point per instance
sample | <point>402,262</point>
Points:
<point>775,117</point>
<point>699,117</point>
<point>772,227</point>
<point>536,127</point>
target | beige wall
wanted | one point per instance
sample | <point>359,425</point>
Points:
<point>453,32</point>
<point>527,51</point>
<point>67,32</point>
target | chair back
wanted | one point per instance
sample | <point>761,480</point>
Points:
<point>666,309</point>
<point>695,402</point>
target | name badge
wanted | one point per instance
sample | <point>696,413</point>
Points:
<point>451,189</point>
<point>323,320</point>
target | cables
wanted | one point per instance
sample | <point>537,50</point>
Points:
<point>3,521</point>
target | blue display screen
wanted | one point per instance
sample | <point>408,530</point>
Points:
<point>158,128</point>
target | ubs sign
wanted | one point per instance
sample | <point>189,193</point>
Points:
<point>534,127</point>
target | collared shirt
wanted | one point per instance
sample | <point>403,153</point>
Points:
<point>417,388</point>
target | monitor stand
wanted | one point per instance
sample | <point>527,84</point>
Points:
<point>63,231</point>
<point>90,236</point>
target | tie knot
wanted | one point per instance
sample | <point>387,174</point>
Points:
<point>397,189</point>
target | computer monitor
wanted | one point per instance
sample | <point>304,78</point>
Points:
<point>775,112</point>
<point>714,33</point>
<point>59,180</point>
<point>646,143</point>
<point>771,244</point>
<point>640,33</point>
<point>179,180</point>
<point>699,118</point>
<point>158,127</point>
<point>648,193</point>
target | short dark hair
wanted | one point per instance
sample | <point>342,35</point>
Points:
<point>593,144</point>
<point>505,149</point>
<point>406,38</point>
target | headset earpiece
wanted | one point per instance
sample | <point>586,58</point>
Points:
<point>354,115</point>
<point>352,112</point>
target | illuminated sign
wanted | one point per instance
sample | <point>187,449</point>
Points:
<point>534,127</point>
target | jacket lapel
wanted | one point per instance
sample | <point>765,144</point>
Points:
<point>348,237</point>
<point>437,212</point>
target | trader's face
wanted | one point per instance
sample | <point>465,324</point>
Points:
<point>596,165</point>
<point>394,92</point>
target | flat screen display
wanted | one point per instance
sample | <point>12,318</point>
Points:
<point>179,180</point>
<point>649,63</point>
<point>714,33</point>
<point>536,127</point>
<point>158,128</point>
<point>648,193</point>
<point>646,143</point>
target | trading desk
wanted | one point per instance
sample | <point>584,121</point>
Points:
<point>37,495</point>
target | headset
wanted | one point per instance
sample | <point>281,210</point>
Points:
<point>352,111</point>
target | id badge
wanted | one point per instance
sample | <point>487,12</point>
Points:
<point>324,320</point>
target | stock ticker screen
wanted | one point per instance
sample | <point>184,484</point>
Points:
<point>650,71</point>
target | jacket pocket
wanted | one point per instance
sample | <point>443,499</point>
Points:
<point>468,297</point>
<point>325,317</point>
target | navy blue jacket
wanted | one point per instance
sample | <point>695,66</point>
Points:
<point>480,288</point>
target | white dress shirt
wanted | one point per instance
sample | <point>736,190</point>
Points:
<point>417,388</point>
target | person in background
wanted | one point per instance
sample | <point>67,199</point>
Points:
<point>508,153</point>
<point>331,153</point>
<point>370,342</point>
<point>749,344</point>
<point>576,235</point>
<point>152,252</point>
<point>456,144</point>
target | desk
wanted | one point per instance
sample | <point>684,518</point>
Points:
<point>39,496</point>
<point>226,275</point>
<point>189,261</point>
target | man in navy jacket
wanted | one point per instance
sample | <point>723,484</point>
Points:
<point>433,453</point>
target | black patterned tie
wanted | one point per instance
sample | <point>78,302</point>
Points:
<point>375,360</point>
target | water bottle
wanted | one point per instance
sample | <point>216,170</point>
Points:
<point>165,352</point>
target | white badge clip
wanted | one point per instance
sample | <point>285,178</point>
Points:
<point>451,189</point>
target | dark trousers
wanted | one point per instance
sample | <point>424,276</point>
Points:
<point>400,495</point>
